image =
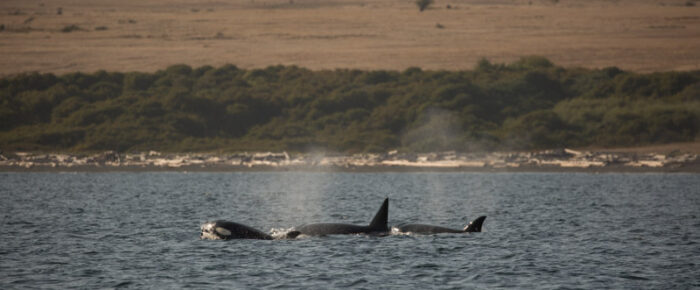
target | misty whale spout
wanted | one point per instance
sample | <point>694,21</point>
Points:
<point>474,226</point>
<point>377,226</point>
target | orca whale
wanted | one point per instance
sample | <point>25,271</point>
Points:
<point>474,226</point>
<point>226,230</point>
<point>378,225</point>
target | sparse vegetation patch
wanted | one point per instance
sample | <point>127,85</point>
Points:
<point>423,4</point>
<point>71,28</point>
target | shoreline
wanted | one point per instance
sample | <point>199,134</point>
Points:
<point>695,169</point>
<point>560,160</point>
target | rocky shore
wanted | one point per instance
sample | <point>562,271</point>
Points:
<point>549,160</point>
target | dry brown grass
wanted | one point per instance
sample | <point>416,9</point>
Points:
<point>146,35</point>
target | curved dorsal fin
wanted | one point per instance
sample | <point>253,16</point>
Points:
<point>380,219</point>
<point>475,225</point>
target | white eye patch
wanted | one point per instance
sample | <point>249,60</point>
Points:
<point>223,231</point>
<point>207,227</point>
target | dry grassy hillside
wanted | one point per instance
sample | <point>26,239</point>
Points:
<point>146,35</point>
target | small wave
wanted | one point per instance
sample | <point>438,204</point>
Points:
<point>91,273</point>
<point>356,282</point>
<point>123,284</point>
<point>632,277</point>
<point>427,266</point>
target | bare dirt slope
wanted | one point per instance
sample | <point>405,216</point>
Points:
<point>147,35</point>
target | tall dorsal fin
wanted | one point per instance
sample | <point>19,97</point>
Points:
<point>475,225</point>
<point>380,219</point>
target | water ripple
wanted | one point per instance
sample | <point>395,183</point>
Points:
<point>545,230</point>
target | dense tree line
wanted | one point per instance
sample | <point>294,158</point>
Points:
<point>528,104</point>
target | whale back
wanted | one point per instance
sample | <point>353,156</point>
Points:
<point>227,230</point>
<point>376,226</point>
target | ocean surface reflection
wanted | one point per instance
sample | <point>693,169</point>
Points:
<point>544,230</point>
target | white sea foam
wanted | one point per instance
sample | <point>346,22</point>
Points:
<point>396,231</point>
<point>280,233</point>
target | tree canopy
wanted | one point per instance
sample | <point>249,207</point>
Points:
<point>528,104</point>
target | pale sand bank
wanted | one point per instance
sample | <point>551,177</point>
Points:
<point>564,160</point>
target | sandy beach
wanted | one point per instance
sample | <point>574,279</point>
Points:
<point>558,160</point>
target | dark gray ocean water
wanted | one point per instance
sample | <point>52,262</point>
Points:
<point>544,230</point>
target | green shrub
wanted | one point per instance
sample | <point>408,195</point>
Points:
<point>523,105</point>
<point>71,28</point>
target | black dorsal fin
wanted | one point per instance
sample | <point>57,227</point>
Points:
<point>379,221</point>
<point>475,225</point>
